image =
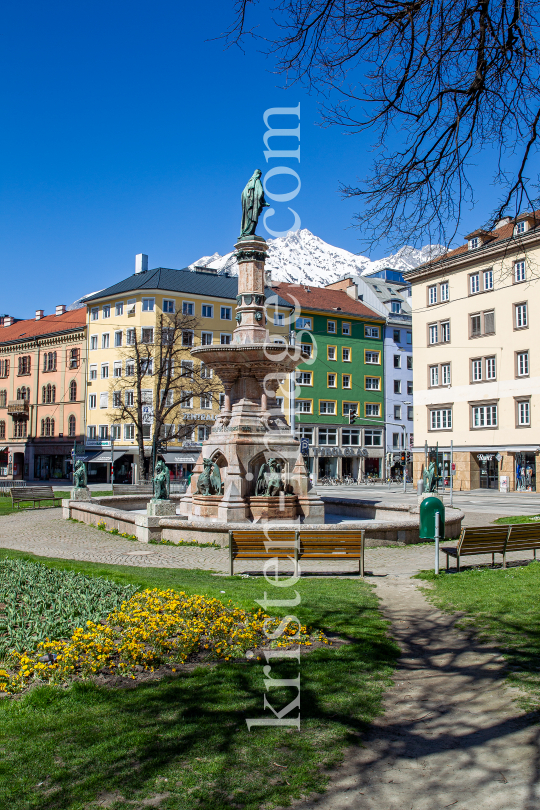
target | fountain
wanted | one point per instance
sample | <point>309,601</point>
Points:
<point>251,468</point>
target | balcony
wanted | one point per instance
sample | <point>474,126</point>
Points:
<point>18,407</point>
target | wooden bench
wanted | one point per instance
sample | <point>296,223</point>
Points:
<point>133,489</point>
<point>34,494</point>
<point>296,545</point>
<point>495,540</point>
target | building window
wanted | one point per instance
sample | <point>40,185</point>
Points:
<point>397,386</point>
<point>303,323</point>
<point>396,307</point>
<point>49,360</point>
<point>48,394</point>
<point>147,367</point>
<point>25,364</point>
<point>373,438</point>
<point>206,372</point>
<point>327,406</point>
<point>72,426</point>
<point>47,427</point>
<point>130,368</point>
<point>522,363</point>
<point>489,322</point>
<point>371,332</point>
<point>445,331</point>
<point>434,333</point>
<point>345,328</point>
<point>520,316</point>
<point>474,283</point>
<point>93,344</point>
<point>477,370</point>
<point>395,440</point>
<point>372,409</point>
<point>187,337</point>
<point>93,373</point>
<point>226,313</point>
<point>91,430</point>
<point>476,325</point>
<point>441,419</point>
<point>484,416</point>
<point>350,407</point>
<point>225,338</point>
<point>306,433</point>
<point>4,368</point>
<point>19,428</point>
<point>94,313</point>
<point>350,437</point>
<point>279,319</point>
<point>410,413</point>
<point>118,338</point>
<point>104,371</point>
<point>328,436</point>
<point>74,358</point>
<point>519,271</point>
<point>2,430</point>
<point>520,227</point>
<point>105,340</point>
<point>130,399</point>
<point>147,334</point>
<point>474,243</point>
<point>119,308</point>
<point>188,308</point>
<point>397,361</point>
<point>106,310</point>
<point>168,305</point>
<point>117,368</point>
<point>3,398</point>
<point>345,354</point>
<point>372,358</point>
<point>129,432</point>
<point>488,280</point>
<point>331,380</point>
<point>207,338</point>
<point>104,400</point>
<point>409,362</point>
<point>409,388</point>
<point>445,291</point>
<point>131,305</point>
<point>104,432</point>
<point>117,399</point>
<point>432,295</point>
<point>304,406</point>
<point>304,377</point>
<point>331,353</point>
<point>148,304</point>
<point>307,349</point>
<point>331,327</point>
<point>206,401</point>
<point>73,391</point>
<point>372,383</point>
<point>207,311</point>
<point>397,335</point>
<point>491,368</point>
<point>116,432</point>
<point>523,413</point>
<point>186,369</point>
<point>131,337</point>
<point>397,411</point>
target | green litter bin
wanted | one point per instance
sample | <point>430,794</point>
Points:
<point>428,509</point>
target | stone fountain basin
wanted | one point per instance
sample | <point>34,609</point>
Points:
<point>385,523</point>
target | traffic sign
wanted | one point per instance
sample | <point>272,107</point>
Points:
<point>304,446</point>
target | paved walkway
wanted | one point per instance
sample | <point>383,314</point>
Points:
<point>451,735</point>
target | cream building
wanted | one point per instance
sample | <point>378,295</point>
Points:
<point>138,303</point>
<point>477,358</point>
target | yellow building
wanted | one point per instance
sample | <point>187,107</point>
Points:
<point>476,370</point>
<point>139,303</point>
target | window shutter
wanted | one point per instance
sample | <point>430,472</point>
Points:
<point>489,322</point>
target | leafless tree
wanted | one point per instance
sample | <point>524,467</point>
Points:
<point>160,372</point>
<point>441,85</point>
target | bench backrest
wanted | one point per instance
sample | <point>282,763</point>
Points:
<point>256,542</point>
<point>330,542</point>
<point>27,493</point>
<point>523,536</point>
<point>136,489</point>
<point>482,540</point>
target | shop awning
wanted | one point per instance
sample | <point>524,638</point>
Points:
<point>103,457</point>
<point>86,456</point>
<point>180,457</point>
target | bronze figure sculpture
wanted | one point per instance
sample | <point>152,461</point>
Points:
<point>80,480</point>
<point>253,203</point>
<point>269,480</point>
<point>162,482</point>
<point>209,482</point>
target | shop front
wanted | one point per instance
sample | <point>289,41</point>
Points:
<point>336,462</point>
<point>525,472</point>
<point>181,463</point>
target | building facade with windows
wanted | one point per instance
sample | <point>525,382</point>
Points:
<point>344,373</point>
<point>135,306</point>
<point>42,394</point>
<point>476,368</point>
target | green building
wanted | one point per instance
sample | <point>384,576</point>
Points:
<point>344,374</point>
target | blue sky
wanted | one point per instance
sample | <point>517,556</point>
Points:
<point>127,128</point>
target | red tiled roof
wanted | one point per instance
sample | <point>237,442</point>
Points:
<point>497,235</point>
<point>26,330</point>
<point>325,300</point>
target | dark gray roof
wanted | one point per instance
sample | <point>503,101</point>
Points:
<point>181,281</point>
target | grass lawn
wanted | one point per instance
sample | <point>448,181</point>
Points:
<point>519,519</point>
<point>183,743</point>
<point>7,509</point>
<point>502,605</point>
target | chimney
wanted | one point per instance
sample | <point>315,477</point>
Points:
<point>39,314</point>
<point>352,292</point>
<point>60,309</point>
<point>8,320</point>
<point>141,263</point>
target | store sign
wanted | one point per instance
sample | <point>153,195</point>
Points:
<point>97,443</point>
<point>198,417</point>
<point>304,446</point>
<point>147,414</point>
<point>485,456</point>
<point>339,451</point>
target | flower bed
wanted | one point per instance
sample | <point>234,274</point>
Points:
<point>151,629</point>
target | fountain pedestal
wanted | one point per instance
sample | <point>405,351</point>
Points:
<point>251,428</point>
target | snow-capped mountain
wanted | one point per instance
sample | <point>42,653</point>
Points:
<point>303,257</point>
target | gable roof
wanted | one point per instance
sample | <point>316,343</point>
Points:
<point>334,302</point>
<point>49,325</point>
<point>179,281</point>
